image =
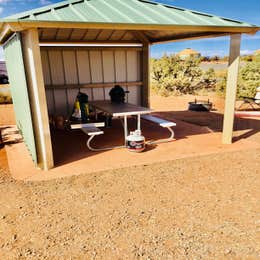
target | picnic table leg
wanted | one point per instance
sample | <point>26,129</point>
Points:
<point>125,128</point>
<point>139,122</point>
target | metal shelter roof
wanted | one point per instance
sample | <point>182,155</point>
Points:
<point>123,11</point>
<point>136,14</point>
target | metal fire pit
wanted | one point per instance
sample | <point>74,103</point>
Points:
<point>200,105</point>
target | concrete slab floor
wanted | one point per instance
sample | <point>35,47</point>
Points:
<point>73,158</point>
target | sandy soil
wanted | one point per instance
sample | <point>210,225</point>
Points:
<point>7,115</point>
<point>196,208</point>
<point>186,209</point>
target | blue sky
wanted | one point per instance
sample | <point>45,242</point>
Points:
<point>243,10</point>
<point>248,11</point>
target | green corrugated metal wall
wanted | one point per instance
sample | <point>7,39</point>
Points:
<point>17,77</point>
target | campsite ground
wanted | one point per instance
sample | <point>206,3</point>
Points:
<point>200,207</point>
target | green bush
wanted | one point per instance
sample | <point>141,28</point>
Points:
<point>215,58</point>
<point>171,75</point>
<point>209,78</point>
<point>221,85</point>
<point>256,58</point>
<point>248,81</point>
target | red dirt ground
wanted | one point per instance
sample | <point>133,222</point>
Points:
<point>7,115</point>
<point>196,134</point>
<point>6,118</point>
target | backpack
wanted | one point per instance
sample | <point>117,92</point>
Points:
<point>81,109</point>
<point>117,94</point>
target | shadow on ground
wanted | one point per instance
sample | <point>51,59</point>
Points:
<point>70,146</point>
<point>212,120</point>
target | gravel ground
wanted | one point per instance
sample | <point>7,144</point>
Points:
<point>195,208</point>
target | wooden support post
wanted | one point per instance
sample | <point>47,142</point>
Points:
<point>146,75</point>
<point>231,89</point>
<point>37,96</point>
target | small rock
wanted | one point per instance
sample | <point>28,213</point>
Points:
<point>228,251</point>
<point>14,237</point>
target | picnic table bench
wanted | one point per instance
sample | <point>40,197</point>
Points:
<point>163,123</point>
<point>90,129</point>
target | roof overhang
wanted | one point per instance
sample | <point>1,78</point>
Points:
<point>153,32</point>
<point>149,22</point>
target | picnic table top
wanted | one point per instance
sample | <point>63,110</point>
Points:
<point>122,109</point>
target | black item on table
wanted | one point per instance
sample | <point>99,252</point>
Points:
<point>117,94</point>
<point>83,101</point>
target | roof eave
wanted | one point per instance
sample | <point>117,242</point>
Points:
<point>18,25</point>
<point>96,25</point>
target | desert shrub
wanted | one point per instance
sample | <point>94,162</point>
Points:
<point>256,58</point>
<point>221,76</point>
<point>209,78</point>
<point>171,75</point>
<point>248,80</point>
<point>247,58</point>
<point>215,58</point>
<point>225,58</point>
<point>205,58</point>
<point>221,85</point>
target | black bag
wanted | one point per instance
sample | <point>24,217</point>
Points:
<point>117,94</point>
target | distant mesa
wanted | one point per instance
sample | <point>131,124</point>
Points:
<point>187,53</point>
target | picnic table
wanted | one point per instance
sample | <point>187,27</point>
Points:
<point>121,110</point>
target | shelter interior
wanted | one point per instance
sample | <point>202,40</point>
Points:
<point>92,69</point>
